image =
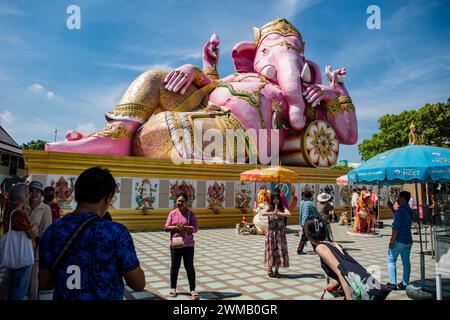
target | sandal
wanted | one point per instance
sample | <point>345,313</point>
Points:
<point>271,274</point>
<point>173,293</point>
<point>194,295</point>
<point>277,275</point>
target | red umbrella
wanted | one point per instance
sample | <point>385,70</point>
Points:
<point>251,175</point>
<point>342,180</point>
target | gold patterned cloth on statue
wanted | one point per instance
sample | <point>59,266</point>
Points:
<point>147,95</point>
<point>184,133</point>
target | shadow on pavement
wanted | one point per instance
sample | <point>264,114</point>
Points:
<point>352,249</point>
<point>291,231</point>
<point>215,295</point>
<point>430,287</point>
<point>305,275</point>
<point>4,285</point>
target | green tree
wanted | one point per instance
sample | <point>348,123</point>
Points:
<point>432,123</point>
<point>35,145</point>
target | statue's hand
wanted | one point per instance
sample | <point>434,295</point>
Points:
<point>336,79</point>
<point>211,53</point>
<point>179,80</point>
<point>315,93</point>
<point>335,76</point>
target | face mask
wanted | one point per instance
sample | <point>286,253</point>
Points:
<point>49,198</point>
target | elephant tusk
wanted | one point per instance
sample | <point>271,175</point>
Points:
<point>328,72</point>
<point>306,73</point>
<point>341,78</point>
<point>269,72</point>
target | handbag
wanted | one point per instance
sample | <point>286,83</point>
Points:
<point>179,241</point>
<point>16,249</point>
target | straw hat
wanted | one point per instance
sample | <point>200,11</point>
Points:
<point>323,197</point>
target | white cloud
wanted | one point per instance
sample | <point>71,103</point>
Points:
<point>86,128</point>
<point>290,8</point>
<point>140,68</point>
<point>6,118</point>
<point>407,14</point>
<point>404,86</point>
<point>12,40</point>
<point>401,82</point>
<point>8,10</point>
<point>33,129</point>
<point>178,53</point>
<point>423,70</point>
<point>230,28</point>
<point>36,87</point>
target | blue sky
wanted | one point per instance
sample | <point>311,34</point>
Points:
<point>55,78</point>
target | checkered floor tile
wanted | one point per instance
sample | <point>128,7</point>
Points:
<point>231,266</point>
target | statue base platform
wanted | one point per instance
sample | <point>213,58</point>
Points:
<point>146,186</point>
<point>364,235</point>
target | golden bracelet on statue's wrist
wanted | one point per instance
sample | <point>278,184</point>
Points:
<point>212,73</point>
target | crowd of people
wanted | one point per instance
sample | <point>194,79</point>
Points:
<point>335,260</point>
<point>85,255</point>
<point>30,210</point>
<point>83,250</point>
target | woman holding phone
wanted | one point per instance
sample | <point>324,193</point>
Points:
<point>182,224</point>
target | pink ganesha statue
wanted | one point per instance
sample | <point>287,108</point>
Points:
<point>274,87</point>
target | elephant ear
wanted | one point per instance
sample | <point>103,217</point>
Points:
<point>243,55</point>
<point>316,75</point>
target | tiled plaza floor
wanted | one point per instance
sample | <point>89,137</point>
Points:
<point>230,266</point>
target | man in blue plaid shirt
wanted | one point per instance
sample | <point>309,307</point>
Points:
<point>307,209</point>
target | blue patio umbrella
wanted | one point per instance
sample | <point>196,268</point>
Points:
<point>410,164</point>
<point>413,163</point>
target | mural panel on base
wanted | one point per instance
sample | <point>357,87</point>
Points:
<point>64,190</point>
<point>183,186</point>
<point>145,194</point>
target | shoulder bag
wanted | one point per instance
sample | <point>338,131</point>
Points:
<point>16,249</point>
<point>179,241</point>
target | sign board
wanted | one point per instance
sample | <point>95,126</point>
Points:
<point>443,256</point>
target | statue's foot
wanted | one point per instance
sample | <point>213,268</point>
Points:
<point>114,140</point>
<point>93,145</point>
<point>73,135</point>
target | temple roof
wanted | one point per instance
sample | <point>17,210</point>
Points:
<point>8,144</point>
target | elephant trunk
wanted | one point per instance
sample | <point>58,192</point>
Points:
<point>288,75</point>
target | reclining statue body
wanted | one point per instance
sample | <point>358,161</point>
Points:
<point>274,87</point>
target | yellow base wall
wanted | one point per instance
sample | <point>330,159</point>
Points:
<point>206,218</point>
<point>47,163</point>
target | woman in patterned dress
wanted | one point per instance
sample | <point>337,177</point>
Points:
<point>276,251</point>
<point>356,282</point>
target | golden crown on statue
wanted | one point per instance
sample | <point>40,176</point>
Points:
<point>280,26</point>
